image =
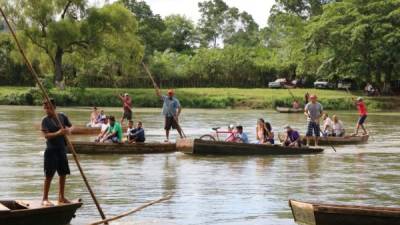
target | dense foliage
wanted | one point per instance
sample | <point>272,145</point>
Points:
<point>81,46</point>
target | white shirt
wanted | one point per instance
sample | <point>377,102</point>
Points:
<point>338,127</point>
<point>328,124</point>
<point>104,127</point>
<point>128,131</point>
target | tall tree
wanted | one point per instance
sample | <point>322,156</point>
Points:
<point>179,34</point>
<point>151,26</point>
<point>62,27</point>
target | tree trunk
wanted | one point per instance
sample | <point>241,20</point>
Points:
<point>59,73</point>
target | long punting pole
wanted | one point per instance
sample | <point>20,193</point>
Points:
<point>47,99</point>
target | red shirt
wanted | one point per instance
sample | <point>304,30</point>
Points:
<point>127,103</point>
<point>362,109</point>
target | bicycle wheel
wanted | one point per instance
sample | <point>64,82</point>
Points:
<point>207,137</point>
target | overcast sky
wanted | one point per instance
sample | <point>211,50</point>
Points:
<point>259,9</point>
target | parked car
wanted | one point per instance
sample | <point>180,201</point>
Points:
<point>344,84</point>
<point>323,84</point>
<point>278,83</point>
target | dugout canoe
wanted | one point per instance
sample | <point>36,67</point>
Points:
<point>289,110</point>
<point>202,147</point>
<point>14,212</point>
<point>329,214</point>
<point>345,140</point>
<point>82,147</point>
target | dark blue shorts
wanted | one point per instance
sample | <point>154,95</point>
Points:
<point>362,119</point>
<point>55,160</point>
<point>313,127</point>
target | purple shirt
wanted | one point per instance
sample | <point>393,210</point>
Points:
<point>293,135</point>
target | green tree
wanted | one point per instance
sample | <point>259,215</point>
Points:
<point>63,27</point>
<point>180,33</point>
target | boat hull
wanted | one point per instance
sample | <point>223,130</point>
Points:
<point>325,214</point>
<point>346,140</point>
<point>34,214</point>
<point>289,110</point>
<point>111,148</point>
<point>201,147</point>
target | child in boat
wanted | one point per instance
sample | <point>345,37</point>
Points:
<point>241,136</point>
<point>129,129</point>
<point>338,128</point>
<point>269,137</point>
<point>137,135</point>
<point>103,131</point>
<point>327,125</point>
<point>293,138</point>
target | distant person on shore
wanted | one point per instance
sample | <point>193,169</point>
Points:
<point>269,138</point>
<point>55,155</point>
<point>137,135</point>
<point>127,107</point>
<point>362,111</point>
<point>171,111</point>
<point>293,138</point>
<point>295,104</point>
<point>114,132</point>
<point>327,125</point>
<point>241,136</point>
<point>306,98</point>
<point>337,126</point>
<point>94,118</point>
<point>313,111</point>
<point>103,130</point>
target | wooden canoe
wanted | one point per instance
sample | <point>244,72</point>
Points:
<point>346,140</point>
<point>111,148</point>
<point>289,110</point>
<point>202,147</point>
<point>328,214</point>
<point>14,212</point>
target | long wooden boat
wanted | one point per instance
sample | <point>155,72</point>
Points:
<point>289,110</point>
<point>13,212</point>
<point>111,148</point>
<point>345,140</point>
<point>202,147</point>
<point>328,214</point>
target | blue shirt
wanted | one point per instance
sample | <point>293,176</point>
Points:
<point>170,106</point>
<point>243,137</point>
<point>137,134</point>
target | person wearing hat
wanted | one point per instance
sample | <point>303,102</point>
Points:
<point>313,111</point>
<point>55,154</point>
<point>362,111</point>
<point>171,111</point>
<point>127,107</point>
<point>292,137</point>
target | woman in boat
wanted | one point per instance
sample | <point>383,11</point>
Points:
<point>261,131</point>
<point>93,118</point>
<point>338,128</point>
<point>293,138</point>
<point>269,137</point>
<point>327,125</point>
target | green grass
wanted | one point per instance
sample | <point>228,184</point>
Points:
<point>194,97</point>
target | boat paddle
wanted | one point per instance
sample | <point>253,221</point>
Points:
<point>157,89</point>
<point>47,99</point>
<point>327,140</point>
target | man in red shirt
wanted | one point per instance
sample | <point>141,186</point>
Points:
<point>127,106</point>
<point>362,111</point>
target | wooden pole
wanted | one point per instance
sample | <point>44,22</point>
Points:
<point>47,99</point>
<point>133,211</point>
<point>157,88</point>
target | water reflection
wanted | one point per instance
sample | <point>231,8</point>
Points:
<point>208,189</point>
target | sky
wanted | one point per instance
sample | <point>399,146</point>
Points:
<point>259,9</point>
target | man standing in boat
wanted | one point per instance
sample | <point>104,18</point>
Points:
<point>362,111</point>
<point>127,107</point>
<point>55,155</point>
<point>171,111</point>
<point>313,111</point>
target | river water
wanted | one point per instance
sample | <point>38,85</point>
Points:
<point>207,190</point>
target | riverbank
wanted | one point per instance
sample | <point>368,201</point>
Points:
<point>193,98</point>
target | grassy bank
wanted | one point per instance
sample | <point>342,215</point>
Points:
<point>192,97</point>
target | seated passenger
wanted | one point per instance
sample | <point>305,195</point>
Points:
<point>261,131</point>
<point>269,137</point>
<point>129,129</point>
<point>293,138</point>
<point>103,131</point>
<point>295,104</point>
<point>338,128</point>
<point>114,132</point>
<point>137,135</point>
<point>327,125</point>
<point>241,136</point>
<point>93,118</point>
